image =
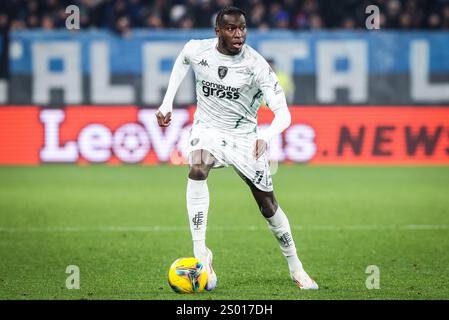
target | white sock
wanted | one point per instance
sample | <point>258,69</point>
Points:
<point>280,227</point>
<point>197,207</point>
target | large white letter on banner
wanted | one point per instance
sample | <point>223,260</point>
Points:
<point>52,151</point>
<point>422,89</point>
<point>101,90</point>
<point>163,141</point>
<point>68,78</point>
<point>355,78</point>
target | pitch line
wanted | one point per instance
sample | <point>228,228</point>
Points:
<point>374,227</point>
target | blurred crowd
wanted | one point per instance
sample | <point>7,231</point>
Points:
<point>122,15</point>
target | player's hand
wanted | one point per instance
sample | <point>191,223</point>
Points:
<point>259,148</point>
<point>163,121</point>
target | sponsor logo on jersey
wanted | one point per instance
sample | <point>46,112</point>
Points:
<point>222,72</point>
<point>220,91</point>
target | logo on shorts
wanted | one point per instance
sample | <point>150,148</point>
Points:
<point>194,142</point>
<point>222,72</point>
<point>258,176</point>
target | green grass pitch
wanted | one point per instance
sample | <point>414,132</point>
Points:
<point>123,227</point>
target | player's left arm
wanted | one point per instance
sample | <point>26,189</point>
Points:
<point>275,99</point>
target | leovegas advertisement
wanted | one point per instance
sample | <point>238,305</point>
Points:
<point>31,135</point>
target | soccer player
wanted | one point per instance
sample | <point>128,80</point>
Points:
<point>232,80</point>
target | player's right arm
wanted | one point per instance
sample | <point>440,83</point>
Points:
<point>179,71</point>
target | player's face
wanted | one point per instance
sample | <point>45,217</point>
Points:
<point>231,33</point>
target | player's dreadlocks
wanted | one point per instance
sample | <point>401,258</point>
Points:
<point>227,10</point>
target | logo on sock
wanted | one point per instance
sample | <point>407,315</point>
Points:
<point>198,220</point>
<point>285,239</point>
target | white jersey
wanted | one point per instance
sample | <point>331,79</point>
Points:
<point>230,89</point>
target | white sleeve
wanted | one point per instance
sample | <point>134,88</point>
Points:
<point>275,99</point>
<point>178,73</point>
<point>281,121</point>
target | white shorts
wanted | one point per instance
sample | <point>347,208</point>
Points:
<point>232,149</point>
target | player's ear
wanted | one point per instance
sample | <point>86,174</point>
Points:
<point>217,31</point>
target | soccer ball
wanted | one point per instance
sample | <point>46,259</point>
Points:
<point>187,275</point>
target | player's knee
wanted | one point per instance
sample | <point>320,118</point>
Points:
<point>198,172</point>
<point>268,207</point>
